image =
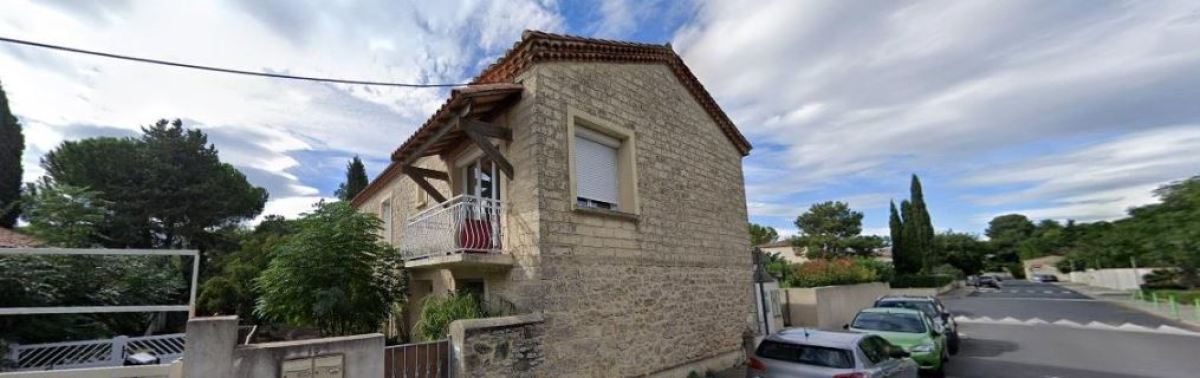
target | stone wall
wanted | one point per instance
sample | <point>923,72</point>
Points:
<point>629,295</point>
<point>510,346</point>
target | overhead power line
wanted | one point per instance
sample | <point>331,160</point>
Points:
<point>219,69</point>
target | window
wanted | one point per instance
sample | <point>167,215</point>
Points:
<point>385,213</point>
<point>596,170</point>
<point>601,160</point>
<point>806,354</point>
<point>420,197</point>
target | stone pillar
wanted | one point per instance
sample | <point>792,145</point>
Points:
<point>209,347</point>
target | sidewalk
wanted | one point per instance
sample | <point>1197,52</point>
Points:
<point>1187,313</point>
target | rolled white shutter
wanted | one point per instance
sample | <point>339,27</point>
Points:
<point>596,166</point>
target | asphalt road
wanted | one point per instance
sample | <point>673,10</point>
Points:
<point>1028,329</point>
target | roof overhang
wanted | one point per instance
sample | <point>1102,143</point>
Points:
<point>443,130</point>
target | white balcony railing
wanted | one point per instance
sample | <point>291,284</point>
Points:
<point>461,224</point>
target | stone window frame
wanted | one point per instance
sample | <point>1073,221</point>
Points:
<point>629,201</point>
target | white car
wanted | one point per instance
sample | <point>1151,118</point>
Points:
<point>810,353</point>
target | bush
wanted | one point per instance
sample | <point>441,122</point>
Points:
<point>1163,279</point>
<point>921,281</point>
<point>884,271</point>
<point>438,312</point>
<point>819,273</point>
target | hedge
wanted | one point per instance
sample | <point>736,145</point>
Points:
<point>920,281</point>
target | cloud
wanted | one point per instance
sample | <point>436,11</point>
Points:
<point>269,129</point>
<point>859,93</point>
<point>1096,182</point>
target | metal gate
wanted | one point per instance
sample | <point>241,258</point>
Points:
<point>417,360</point>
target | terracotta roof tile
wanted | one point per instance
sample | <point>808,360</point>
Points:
<point>536,46</point>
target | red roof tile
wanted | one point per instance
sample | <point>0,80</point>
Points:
<point>535,47</point>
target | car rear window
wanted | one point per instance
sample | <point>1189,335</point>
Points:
<point>923,306</point>
<point>806,354</point>
<point>889,322</point>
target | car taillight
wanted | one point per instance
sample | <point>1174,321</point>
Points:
<point>851,375</point>
<point>757,365</point>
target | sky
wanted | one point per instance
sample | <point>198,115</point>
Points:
<point>1057,110</point>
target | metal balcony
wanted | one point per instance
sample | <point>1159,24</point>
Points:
<point>462,225</point>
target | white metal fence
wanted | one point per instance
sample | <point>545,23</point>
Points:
<point>461,224</point>
<point>93,353</point>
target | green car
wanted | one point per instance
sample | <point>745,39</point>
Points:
<point>910,329</point>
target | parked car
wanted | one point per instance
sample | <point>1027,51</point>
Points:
<point>933,308</point>
<point>804,353</point>
<point>909,329</point>
<point>1045,278</point>
<point>988,281</point>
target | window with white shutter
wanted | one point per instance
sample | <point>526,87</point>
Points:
<point>602,161</point>
<point>596,169</point>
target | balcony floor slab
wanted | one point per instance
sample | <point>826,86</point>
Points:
<point>463,260</point>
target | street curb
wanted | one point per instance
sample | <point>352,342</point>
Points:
<point>1190,325</point>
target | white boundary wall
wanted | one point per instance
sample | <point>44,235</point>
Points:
<point>1117,279</point>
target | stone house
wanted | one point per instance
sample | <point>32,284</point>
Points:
<point>593,182</point>
<point>786,250</point>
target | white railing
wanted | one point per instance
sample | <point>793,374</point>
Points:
<point>461,224</point>
<point>94,353</point>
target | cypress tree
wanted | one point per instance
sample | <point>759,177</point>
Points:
<point>896,226</point>
<point>12,145</point>
<point>922,227</point>
<point>356,180</point>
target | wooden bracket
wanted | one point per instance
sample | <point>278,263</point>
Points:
<point>426,173</point>
<point>418,176</point>
<point>490,150</point>
<point>486,129</point>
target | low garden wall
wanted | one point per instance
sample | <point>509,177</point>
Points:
<point>509,346</point>
<point>213,351</point>
<point>1116,279</point>
<point>829,307</point>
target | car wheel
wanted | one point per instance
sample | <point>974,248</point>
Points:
<point>954,343</point>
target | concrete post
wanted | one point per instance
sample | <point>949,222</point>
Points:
<point>209,347</point>
<point>1174,307</point>
<point>1154,298</point>
<point>116,353</point>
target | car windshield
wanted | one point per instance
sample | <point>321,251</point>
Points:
<point>806,354</point>
<point>889,322</point>
<point>923,306</point>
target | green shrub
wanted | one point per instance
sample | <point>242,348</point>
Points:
<point>1163,279</point>
<point>921,281</point>
<point>438,312</point>
<point>884,271</point>
<point>819,273</point>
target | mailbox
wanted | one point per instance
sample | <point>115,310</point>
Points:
<point>328,366</point>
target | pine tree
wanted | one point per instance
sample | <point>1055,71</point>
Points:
<point>356,180</point>
<point>12,145</point>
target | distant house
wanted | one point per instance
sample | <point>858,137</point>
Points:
<point>596,182</point>
<point>785,249</point>
<point>13,239</point>
<point>883,254</point>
